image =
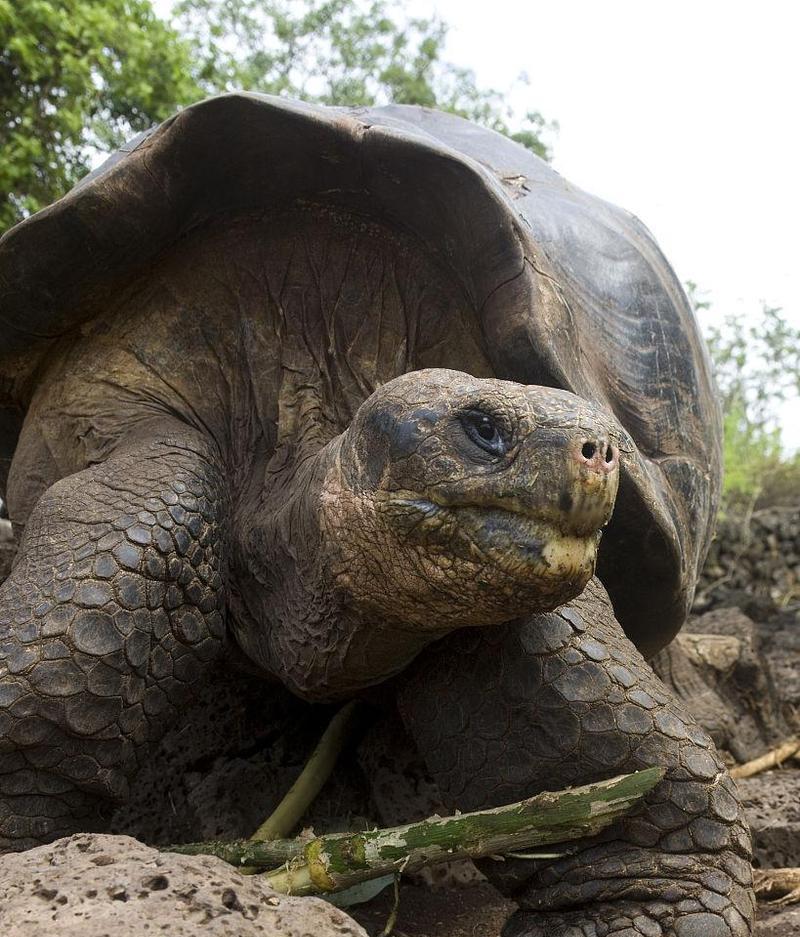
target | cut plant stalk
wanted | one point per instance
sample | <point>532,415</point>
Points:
<point>244,853</point>
<point>276,849</point>
<point>319,767</point>
<point>331,863</point>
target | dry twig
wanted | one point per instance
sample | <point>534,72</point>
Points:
<point>779,886</point>
<point>772,759</point>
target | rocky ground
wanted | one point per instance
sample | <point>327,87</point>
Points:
<point>737,665</point>
<point>95,885</point>
<point>754,558</point>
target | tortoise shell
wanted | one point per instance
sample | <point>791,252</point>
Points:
<point>568,290</point>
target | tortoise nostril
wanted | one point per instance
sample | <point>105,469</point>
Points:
<point>597,455</point>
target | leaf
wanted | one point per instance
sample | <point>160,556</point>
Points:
<point>358,894</point>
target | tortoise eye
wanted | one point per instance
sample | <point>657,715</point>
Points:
<point>482,429</point>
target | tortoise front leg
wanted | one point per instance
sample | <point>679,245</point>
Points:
<point>111,611</point>
<point>563,699</point>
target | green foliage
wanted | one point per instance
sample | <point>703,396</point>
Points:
<point>752,454</point>
<point>757,368</point>
<point>340,52</point>
<point>75,76</point>
<point>756,365</point>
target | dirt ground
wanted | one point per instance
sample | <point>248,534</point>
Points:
<point>778,923</point>
<point>470,911</point>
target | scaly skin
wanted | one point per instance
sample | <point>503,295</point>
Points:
<point>562,699</point>
<point>111,612</point>
<point>343,529</point>
<point>126,570</point>
<point>351,561</point>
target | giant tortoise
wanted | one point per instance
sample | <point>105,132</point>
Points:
<point>353,390</point>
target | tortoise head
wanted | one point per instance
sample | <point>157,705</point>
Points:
<point>463,501</point>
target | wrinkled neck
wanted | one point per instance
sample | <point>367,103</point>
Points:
<point>292,614</point>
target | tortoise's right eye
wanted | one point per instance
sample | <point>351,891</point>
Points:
<point>483,430</point>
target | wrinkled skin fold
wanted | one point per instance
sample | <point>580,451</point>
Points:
<point>563,699</point>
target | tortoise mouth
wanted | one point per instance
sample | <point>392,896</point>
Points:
<point>584,520</point>
<point>521,542</point>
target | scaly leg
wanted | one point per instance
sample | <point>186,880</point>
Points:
<point>562,699</point>
<point>111,611</point>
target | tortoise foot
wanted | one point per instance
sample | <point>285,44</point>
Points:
<point>564,699</point>
<point>658,919</point>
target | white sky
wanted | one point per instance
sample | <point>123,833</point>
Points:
<point>685,113</point>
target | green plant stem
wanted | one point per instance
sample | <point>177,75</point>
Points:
<point>334,862</point>
<point>243,853</point>
<point>286,816</point>
<point>331,863</point>
<point>274,849</point>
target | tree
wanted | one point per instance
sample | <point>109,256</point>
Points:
<point>340,52</point>
<point>757,365</point>
<point>757,368</point>
<point>77,76</point>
